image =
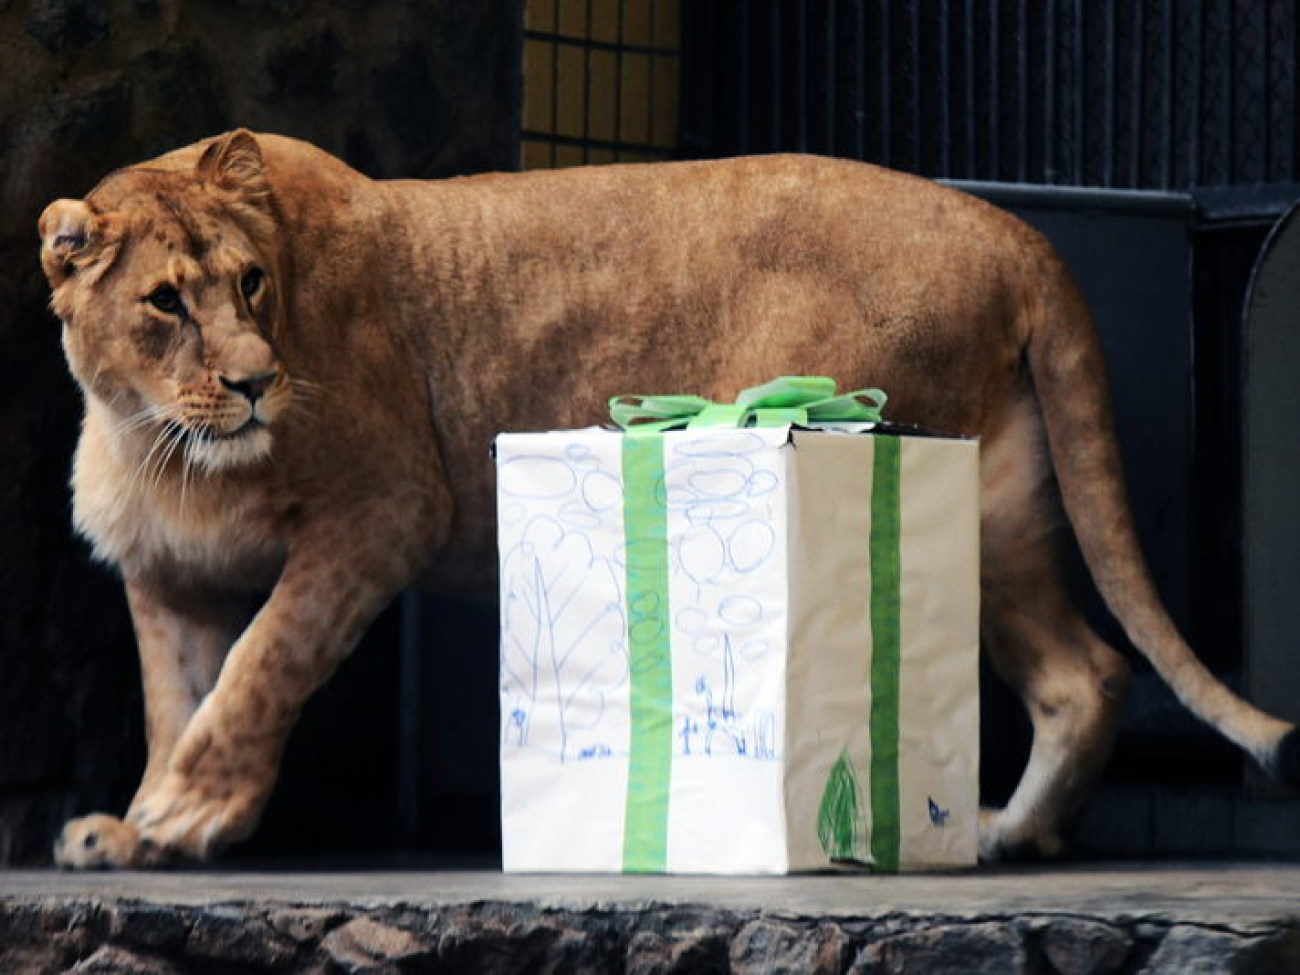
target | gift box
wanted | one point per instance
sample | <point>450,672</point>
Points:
<point>742,642</point>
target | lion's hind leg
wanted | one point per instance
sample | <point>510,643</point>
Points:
<point>1070,681</point>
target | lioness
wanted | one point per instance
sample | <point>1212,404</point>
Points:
<point>292,375</point>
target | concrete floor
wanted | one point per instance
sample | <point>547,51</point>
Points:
<point>1239,895</point>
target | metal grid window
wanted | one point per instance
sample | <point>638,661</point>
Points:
<point>601,81</point>
<point>1124,94</point>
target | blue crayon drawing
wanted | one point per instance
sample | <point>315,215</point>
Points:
<point>564,618</point>
<point>723,728</point>
<point>938,815</point>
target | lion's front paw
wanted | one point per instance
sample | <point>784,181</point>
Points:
<point>98,842</point>
<point>213,791</point>
<point>189,818</point>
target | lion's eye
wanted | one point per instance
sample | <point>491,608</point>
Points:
<point>166,299</point>
<point>251,283</point>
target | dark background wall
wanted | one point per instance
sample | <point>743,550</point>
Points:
<point>1133,94</point>
<point>86,86</point>
<point>1182,112</point>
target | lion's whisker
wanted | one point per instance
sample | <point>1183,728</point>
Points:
<point>306,398</point>
<point>312,388</point>
<point>175,437</point>
<point>157,440</point>
<point>170,430</point>
<point>308,390</point>
<point>187,467</point>
<point>140,418</point>
<point>140,473</point>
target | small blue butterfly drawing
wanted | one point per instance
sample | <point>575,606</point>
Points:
<point>938,815</point>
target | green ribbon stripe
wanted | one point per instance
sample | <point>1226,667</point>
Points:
<point>645,524</point>
<point>885,655</point>
<point>804,400</point>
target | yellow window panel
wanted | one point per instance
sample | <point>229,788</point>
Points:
<point>664,105</point>
<point>601,81</point>
<point>573,18</point>
<point>566,156</point>
<point>636,22</point>
<point>634,114</point>
<point>602,95</point>
<point>539,92</point>
<point>535,154</point>
<point>571,83</point>
<point>666,25</point>
<point>539,15</point>
<point>606,19</point>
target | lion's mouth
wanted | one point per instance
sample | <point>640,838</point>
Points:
<point>212,449</point>
<point>209,435</point>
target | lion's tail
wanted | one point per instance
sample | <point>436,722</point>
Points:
<point>1064,355</point>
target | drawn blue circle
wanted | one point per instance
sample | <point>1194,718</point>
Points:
<point>702,554</point>
<point>707,645</point>
<point>724,443</point>
<point>705,512</point>
<point>718,483</point>
<point>763,482</point>
<point>692,620</point>
<point>579,516</point>
<point>740,610</point>
<point>601,491</point>
<point>536,477</point>
<point>751,544</point>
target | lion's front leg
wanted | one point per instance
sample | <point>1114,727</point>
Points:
<point>182,636</point>
<point>225,764</point>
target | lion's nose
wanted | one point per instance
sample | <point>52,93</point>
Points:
<point>251,388</point>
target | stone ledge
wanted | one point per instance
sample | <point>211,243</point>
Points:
<point>1132,920</point>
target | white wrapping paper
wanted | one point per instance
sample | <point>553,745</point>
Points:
<point>738,651</point>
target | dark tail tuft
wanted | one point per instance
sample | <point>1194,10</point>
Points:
<point>1285,767</point>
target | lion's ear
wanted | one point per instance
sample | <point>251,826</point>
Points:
<point>68,232</point>
<point>234,163</point>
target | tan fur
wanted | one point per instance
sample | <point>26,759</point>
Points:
<point>397,326</point>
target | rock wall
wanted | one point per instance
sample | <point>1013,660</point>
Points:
<point>140,938</point>
<point>396,89</point>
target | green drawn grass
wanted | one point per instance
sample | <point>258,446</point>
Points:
<point>839,819</point>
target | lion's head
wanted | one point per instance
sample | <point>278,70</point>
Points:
<point>165,280</point>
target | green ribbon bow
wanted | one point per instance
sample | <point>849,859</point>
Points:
<point>802,400</point>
